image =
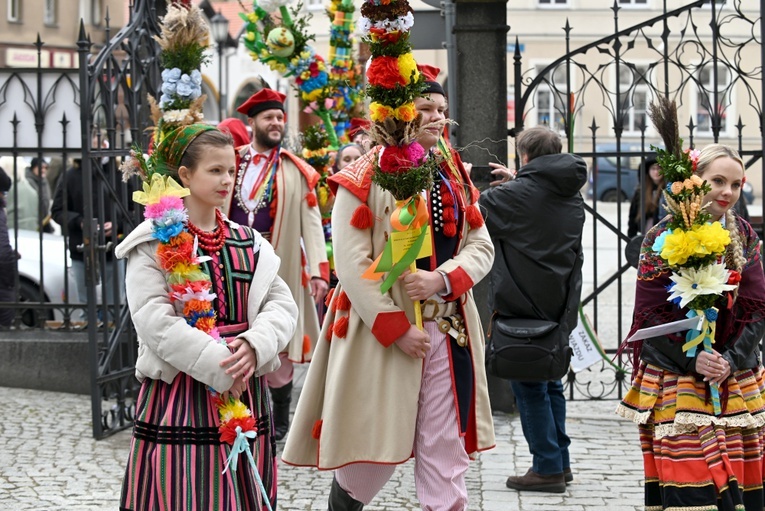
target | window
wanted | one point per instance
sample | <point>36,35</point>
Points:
<point>14,10</point>
<point>49,18</point>
<point>633,3</point>
<point>95,12</point>
<point>705,97</point>
<point>553,3</point>
<point>634,97</point>
<point>550,104</point>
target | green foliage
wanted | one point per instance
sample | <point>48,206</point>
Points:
<point>185,58</point>
<point>399,95</point>
<point>315,137</point>
<point>408,183</point>
<point>386,49</point>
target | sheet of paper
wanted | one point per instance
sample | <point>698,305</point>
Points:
<point>402,241</point>
<point>667,328</point>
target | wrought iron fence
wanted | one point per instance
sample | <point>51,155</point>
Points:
<point>708,57</point>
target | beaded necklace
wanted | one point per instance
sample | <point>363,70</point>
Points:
<point>210,241</point>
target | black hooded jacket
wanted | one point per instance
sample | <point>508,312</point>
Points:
<point>536,224</point>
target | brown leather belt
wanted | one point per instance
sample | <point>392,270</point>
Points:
<point>432,309</point>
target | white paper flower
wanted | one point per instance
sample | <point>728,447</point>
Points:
<point>690,283</point>
<point>175,115</point>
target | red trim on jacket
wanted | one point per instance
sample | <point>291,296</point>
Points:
<point>324,271</point>
<point>356,177</point>
<point>389,326</point>
<point>460,282</point>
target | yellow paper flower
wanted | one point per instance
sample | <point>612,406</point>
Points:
<point>688,184</point>
<point>678,247</point>
<point>379,112</point>
<point>159,186</point>
<point>712,237</point>
<point>406,112</point>
<point>407,65</point>
<point>233,410</point>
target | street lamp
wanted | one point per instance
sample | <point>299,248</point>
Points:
<point>219,29</point>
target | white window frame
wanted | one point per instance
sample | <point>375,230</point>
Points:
<point>553,4</point>
<point>543,88</point>
<point>633,126</point>
<point>50,14</point>
<point>727,129</point>
<point>634,4</point>
<point>14,11</point>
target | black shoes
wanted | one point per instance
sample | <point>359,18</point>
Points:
<point>280,403</point>
<point>339,500</point>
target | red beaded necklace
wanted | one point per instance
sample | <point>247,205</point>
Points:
<point>210,241</point>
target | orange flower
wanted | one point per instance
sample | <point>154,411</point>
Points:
<point>193,306</point>
<point>206,324</point>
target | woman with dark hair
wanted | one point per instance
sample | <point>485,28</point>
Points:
<point>641,219</point>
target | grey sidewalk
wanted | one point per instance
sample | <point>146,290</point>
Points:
<point>49,460</point>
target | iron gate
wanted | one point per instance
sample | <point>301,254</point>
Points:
<point>714,71</point>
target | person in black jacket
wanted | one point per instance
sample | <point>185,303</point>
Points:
<point>7,255</point>
<point>536,222</point>
<point>644,208</point>
<point>68,211</point>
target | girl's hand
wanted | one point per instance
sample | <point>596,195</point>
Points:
<point>712,366</point>
<point>242,362</point>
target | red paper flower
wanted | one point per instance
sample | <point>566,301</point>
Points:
<point>384,72</point>
<point>395,160</point>
<point>734,277</point>
<point>228,430</point>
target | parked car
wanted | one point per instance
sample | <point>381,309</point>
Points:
<point>55,260</point>
<point>603,173</point>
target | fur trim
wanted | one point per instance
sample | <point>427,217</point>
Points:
<point>343,302</point>
<point>362,217</point>
<point>474,217</point>
<point>341,327</point>
<point>306,344</point>
<point>310,198</point>
<point>316,429</point>
<point>328,298</point>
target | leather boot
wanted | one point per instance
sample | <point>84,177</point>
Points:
<point>280,402</point>
<point>339,500</point>
<point>553,483</point>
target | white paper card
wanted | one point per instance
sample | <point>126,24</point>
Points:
<point>667,328</point>
<point>585,352</point>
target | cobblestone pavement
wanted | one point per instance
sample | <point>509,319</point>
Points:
<point>49,460</point>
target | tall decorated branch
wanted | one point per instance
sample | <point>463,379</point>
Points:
<point>342,72</point>
<point>692,246</point>
<point>281,42</point>
<point>403,169</point>
<point>183,40</point>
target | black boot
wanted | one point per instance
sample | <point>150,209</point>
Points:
<point>281,399</point>
<point>339,500</point>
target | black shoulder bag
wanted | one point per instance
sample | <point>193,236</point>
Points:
<point>532,349</point>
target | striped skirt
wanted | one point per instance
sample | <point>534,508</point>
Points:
<point>176,459</point>
<point>694,460</point>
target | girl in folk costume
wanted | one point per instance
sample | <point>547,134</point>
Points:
<point>379,390</point>
<point>211,315</point>
<point>701,412</point>
<point>274,193</point>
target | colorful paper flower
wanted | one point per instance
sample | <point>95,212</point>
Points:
<point>690,283</point>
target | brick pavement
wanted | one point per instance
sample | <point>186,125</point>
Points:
<point>48,460</point>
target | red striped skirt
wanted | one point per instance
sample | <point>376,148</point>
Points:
<point>694,460</point>
<point>176,459</point>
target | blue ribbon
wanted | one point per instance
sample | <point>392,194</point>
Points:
<point>241,445</point>
<point>692,334</point>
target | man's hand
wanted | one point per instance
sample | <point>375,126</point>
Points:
<point>319,288</point>
<point>503,173</point>
<point>422,284</point>
<point>107,228</point>
<point>414,342</point>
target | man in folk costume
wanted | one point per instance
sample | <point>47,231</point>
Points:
<point>274,194</point>
<point>379,390</point>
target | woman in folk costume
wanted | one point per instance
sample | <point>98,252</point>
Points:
<point>212,315</point>
<point>274,193</point>
<point>696,456</point>
<point>379,390</point>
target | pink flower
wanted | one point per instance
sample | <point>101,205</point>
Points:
<point>415,153</point>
